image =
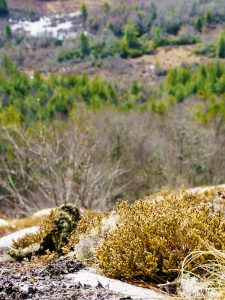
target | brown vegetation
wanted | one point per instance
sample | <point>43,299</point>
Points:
<point>55,6</point>
<point>155,234</point>
<point>98,158</point>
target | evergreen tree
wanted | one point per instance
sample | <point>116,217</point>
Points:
<point>220,47</point>
<point>208,17</point>
<point>3,7</point>
<point>131,35</point>
<point>198,24</point>
<point>84,12</point>
<point>7,32</point>
<point>84,45</point>
<point>106,8</point>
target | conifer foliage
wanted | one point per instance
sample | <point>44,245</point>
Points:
<point>3,7</point>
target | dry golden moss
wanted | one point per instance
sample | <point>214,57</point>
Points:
<point>154,235</point>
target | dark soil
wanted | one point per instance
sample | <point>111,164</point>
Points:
<point>26,281</point>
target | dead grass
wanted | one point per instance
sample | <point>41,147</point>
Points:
<point>140,69</point>
<point>167,57</point>
<point>210,285</point>
<point>56,6</point>
<point>18,224</point>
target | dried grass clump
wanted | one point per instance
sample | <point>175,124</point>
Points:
<point>155,234</point>
<point>52,235</point>
<point>206,280</point>
<point>18,224</point>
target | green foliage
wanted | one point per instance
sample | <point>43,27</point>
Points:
<point>155,234</point>
<point>52,236</point>
<point>131,35</point>
<point>184,39</point>
<point>197,81</point>
<point>32,11</point>
<point>205,49</point>
<point>83,49</point>
<point>208,17</point>
<point>206,82</point>
<point>128,46</point>
<point>220,46</point>
<point>198,24</point>
<point>7,32</point>
<point>3,7</point>
<point>84,11</point>
<point>44,99</point>
<point>106,8</point>
<point>84,45</point>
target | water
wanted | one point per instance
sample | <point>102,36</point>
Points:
<point>49,26</point>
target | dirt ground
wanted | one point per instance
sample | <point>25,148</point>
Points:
<point>55,6</point>
<point>20,281</point>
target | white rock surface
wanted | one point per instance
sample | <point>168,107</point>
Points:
<point>203,189</point>
<point>91,278</point>
<point>43,212</point>
<point>3,223</point>
<point>6,241</point>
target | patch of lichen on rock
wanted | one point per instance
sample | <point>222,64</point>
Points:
<point>87,236</point>
<point>92,220</point>
<point>155,234</point>
<point>52,235</point>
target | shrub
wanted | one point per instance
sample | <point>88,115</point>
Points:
<point>155,234</point>
<point>184,39</point>
<point>205,49</point>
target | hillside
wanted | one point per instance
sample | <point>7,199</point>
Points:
<point>111,114</point>
<point>76,256</point>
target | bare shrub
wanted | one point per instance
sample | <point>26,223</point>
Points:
<point>97,158</point>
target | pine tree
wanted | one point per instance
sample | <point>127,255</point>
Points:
<point>7,32</point>
<point>84,45</point>
<point>84,12</point>
<point>208,17</point>
<point>220,47</point>
<point>131,35</point>
<point>3,7</point>
<point>198,24</point>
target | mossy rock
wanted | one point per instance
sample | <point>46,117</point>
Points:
<point>52,235</point>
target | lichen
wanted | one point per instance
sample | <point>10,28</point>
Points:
<point>52,235</point>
